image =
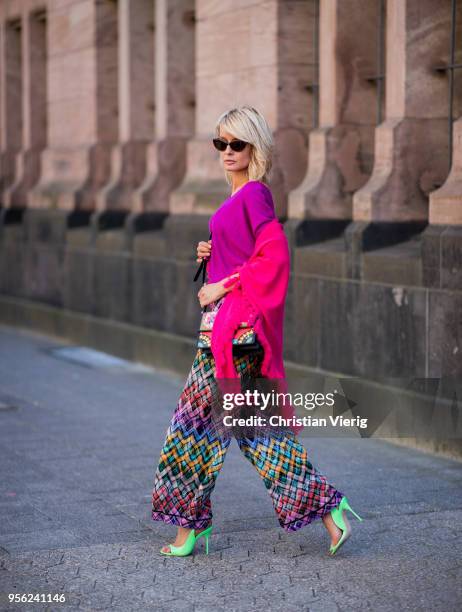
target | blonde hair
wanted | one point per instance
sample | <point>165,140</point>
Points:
<point>246,123</point>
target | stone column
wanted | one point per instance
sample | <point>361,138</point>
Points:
<point>411,151</point>
<point>83,104</point>
<point>136,103</point>
<point>411,148</point>
<point>442,239</point>
<point>341,148</point>
<point>11,89</point>
<point>446,202</point>
<point>34,110</point>
<point>175,100</point>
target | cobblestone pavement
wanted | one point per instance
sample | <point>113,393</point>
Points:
<point>78,449</point>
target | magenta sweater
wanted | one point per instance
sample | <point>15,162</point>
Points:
<point>235,226</point>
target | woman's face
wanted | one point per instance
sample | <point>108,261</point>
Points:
<point>234,161</point>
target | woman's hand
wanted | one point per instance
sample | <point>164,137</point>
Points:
<point>203,249</point>
<point>214,291</point>
<point>210,293</point>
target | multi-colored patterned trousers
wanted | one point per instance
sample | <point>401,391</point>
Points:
<point>192,456</point>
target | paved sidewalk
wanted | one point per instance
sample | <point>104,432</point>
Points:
<point>78,450</point>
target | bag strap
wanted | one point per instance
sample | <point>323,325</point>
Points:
<point>202,267</point>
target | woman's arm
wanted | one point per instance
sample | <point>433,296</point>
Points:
<point>210,292</point>
<point>226,284</point>
<point>229,282</point>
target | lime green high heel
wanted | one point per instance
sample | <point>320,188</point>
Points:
<point>190,542</point>
<point>341,521</point>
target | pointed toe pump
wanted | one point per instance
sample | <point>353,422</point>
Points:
<point>187,548</point>
<point>341,521</point>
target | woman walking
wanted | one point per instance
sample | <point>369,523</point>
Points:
<point>245,232</point>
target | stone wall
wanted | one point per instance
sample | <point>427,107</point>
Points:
<point>108,177</point>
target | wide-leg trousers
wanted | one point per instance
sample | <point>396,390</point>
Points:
<point>192,455</point>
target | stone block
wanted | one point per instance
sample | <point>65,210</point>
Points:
<point>372,330</point>
<point>444,334</point>
<point>78,279</point>
<point>399,264</point>
<point>431,255</point>
<point>154,291</point>
<point>451,258</point>
<point>43,269</point>
<point>45,226</point>
<point>183,233</point>
<point>302,324</point>
<point>112,285</point>
<point>328,258</point>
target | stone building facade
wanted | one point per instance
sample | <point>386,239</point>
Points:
<point>108,176</point>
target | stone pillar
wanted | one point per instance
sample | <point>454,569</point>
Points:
<point>411,152</point>
<point>83,104</point>
<point>175,101</point>
<point>272,55</point>
<point>136,103</point>
<point>297,104</point>
<point>442,239</point>
<point>411,147</point>
<point>446,202</point>
<point>11,88</point>
<point>34,109</point>
<point>341,149</point>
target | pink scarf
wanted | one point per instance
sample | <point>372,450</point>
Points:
<point>260,289</point>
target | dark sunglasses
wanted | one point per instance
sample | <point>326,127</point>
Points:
<point>236,145</point>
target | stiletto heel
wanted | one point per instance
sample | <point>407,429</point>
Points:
<point>341,521</point>
<point>189,544</point>
<point>206,533</point>
<point>348,507</point>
